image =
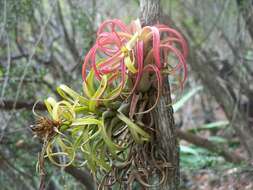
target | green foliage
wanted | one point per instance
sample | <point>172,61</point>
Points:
<point>1,72</point>
<point>17,11</point>
<point>186,97</point>
<point>193,157</point>
<point>214,126</point>
<point>89,130</point>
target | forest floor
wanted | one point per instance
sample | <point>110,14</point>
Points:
<point>230,179</point>
<point>200,168</point>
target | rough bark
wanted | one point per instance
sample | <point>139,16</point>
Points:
<point>163,114</point>
<point>150,12</point>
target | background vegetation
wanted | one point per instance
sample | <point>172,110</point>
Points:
<point>43,42</point>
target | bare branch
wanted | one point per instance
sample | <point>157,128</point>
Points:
<point>68,39</point>
<point>82,176</point>
<point>204,143</point>
<point>28,105</point>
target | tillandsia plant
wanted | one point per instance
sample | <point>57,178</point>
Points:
<point>109,128</point>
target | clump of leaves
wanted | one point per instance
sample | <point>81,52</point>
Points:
<point>109,128</point>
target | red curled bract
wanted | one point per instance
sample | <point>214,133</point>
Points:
<point>124,53</point>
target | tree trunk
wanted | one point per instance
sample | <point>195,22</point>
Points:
<point>163,114</point>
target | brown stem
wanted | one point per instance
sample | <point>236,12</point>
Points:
<point>202,142</point>
<point>82,176</point>
<point>28,105</point>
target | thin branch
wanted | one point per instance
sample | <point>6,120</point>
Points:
<point>30,59</point>
<point>28,105</point>
<point>246,9</point>
<point>11,165</point>
<point>6,78</point>
<point>25,71</point>
<point>214,24</point>
<point>68,39</point>
<point>204,143</point>
<point>82,176</point>
<point>14,57</point>
<point>4,19</point>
